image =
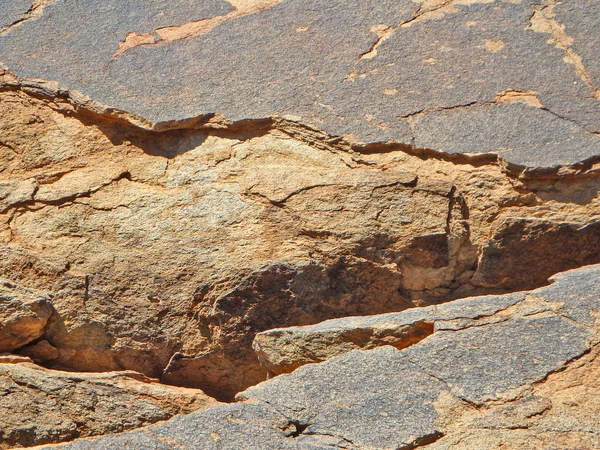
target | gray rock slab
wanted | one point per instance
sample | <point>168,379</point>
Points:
<point>372,399</point>
<point>580,18</point>
<point>481,363</point>
<point>384,71</point>
<point>234,426</point>
<point>12,11</point>
<point>284,349</point>
<point>578,292</point>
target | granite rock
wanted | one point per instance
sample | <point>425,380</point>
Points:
<point>42,406</point>
<point>524,381</point>
<point>513,79</point>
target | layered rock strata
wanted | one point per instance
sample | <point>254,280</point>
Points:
<point>512,371</point>
<point>165,253</point>
<point>183,181</point>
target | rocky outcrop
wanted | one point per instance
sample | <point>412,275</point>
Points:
<point>24,315</point>
<point>282,350</point>
<point>40,406</point>
<point>165,253</point>
<point>518,373</point>
<point>520,78</point>
<point>285,349</point>
<point>182,179</point>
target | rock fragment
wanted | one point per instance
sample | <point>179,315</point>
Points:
<point>41,406</point>
<point>523,381</point>
<point>24,315</point>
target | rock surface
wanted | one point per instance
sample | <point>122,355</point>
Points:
<point>165,253</point>
<point>40,406</point>
<point>284,349</point>
<point>521,374</point>
<point>24,315</point>
<point>518,79</point>
<point>182,180</point>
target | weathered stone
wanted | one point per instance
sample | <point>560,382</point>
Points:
<point>40,352</point>
<point>44,406</point>
<point>281,350</point>
<point>166,252</point>
<point>501,357</point>
<point>183,179</point>
<point>515,79</point>
<point>527,381</point>
<point>224,426</point>
<point>576,292</point>
<point>13,11</point>
<point>24,315</point>
<point>525,249</point>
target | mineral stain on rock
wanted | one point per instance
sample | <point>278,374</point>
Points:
<point>346,219</point>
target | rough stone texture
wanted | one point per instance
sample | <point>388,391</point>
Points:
<point>13,11</point>
<point>517,79</point>
<point>179,176</point>
<point>526,380</point>
<point>24,315</point>
<point>282,350</point>
<point>521,246</point>
<point>39,405</point>
<point>42,351</point>
<point>165,253</point>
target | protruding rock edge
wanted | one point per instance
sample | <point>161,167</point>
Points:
<point>74,102</point>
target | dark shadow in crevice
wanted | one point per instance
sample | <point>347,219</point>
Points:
<point>168,143</point>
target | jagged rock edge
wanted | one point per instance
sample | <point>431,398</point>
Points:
<point>303,132</point>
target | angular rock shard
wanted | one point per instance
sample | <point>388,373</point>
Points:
<point>24,315</point>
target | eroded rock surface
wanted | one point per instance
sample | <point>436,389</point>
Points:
<point>41,406</point>
<point>165,253</point>
<point>284,349</point>
<point>521,374</point>
<point>24,315</point>
<point>517,79</point>
<point>182,179</point>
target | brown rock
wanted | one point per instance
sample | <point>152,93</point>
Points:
<point>42,406</point>
<point>24,315</point>
<point>166,252</point>
<point>40,352</point>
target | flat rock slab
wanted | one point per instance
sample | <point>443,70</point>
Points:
<point>575,295</point>
<point>387,398</point>
<point>515,79</point>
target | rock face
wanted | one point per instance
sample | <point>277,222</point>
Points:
<point>521,78</point>
<point>24,315</point>
<point>185,182</point>
<point>205,238</point>
<point>521,373</point>
<point>165,253</point>
<point>283,350</point>
<point>40,406</point>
